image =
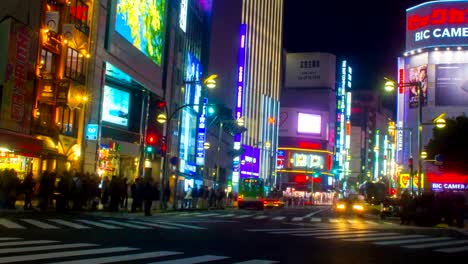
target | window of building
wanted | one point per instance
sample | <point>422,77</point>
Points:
<point>47,61</point>
<point>79,12</point>
<point>67,121</point>
<point>74,67</point>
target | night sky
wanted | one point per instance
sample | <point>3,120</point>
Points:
<point>369,34</point>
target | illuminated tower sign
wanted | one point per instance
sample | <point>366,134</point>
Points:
<point>343,123</point>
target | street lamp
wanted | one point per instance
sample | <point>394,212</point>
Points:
<point>165,117</point>
<point>390,86</point>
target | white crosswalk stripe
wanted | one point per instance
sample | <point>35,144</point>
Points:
<point>206,215</point>
<point>99,224</point>
<point>154,225</point>
<point>9,224</point>
<point>21,243</point>
<point>315,219</point>
<point>226,215</point>
<point>297,219</point>
<point>55,252</point>
<point>39,224</point>
<point>114,222</point>
<point>182,225</point>
<point>257,261</point>
<point>411,241</point>
<point>363,239</point>
<point>40,248</point>
<point>192,260</point>
<point>68,224</point>
<point>376,237</point>
<point>243,216</point>
<point>278,218</point>
<point>113,259</point>
<point>439,244</point>
<point>52,255</point>
<point>260,217</point>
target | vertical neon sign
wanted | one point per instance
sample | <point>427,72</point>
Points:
<point>240,97</point>
<point>200,159</point>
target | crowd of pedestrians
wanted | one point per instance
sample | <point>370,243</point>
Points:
<point>205,197</point>
<point>431,208</point>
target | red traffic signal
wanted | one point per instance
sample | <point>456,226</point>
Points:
<point>151,139</point>
<point>410,162</point>
<point>161,104</point>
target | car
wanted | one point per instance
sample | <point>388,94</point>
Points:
<point>390,207</point>
<point>272,203</point>
<point>350,206</point>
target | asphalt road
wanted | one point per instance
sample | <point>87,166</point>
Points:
<point>312,235</point>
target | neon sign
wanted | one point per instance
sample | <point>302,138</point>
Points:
<point>437,24</point>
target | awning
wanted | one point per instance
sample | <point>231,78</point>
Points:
<point>21,144</point>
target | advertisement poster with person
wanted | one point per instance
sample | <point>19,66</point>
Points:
<point>418,74</point>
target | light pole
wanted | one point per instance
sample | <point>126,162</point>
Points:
<point>390,86</point>
<point>210,83</point>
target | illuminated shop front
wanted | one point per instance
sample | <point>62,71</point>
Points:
<point>305,169</point>
<point>436,55</point>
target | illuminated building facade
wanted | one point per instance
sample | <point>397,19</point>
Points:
<point>307,123</point>
<point>436,54</point>
<point>256,27</point>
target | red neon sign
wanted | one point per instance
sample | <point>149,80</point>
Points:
<point>309,145</point>
<point>438,16</point>
<point>447,178</point>
<point>401,89</point>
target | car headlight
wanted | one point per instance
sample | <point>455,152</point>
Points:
<point>358,207</point>
<point>340,206</point>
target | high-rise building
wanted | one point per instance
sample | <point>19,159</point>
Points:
<point>246,53</point>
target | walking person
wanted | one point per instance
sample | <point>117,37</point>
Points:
<point>28,186</point>
<point>188,197</point>
<point>148,196</point>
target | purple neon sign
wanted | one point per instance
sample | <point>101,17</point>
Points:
<point>240,75</point>
<point>249,164</point>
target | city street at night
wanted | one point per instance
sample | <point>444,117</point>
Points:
<point>312,235</point>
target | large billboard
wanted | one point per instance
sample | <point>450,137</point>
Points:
<point>142,24</point>
<point>451,84</point>
<point>437,23</point>
<point>250,162</point>
<point>417,74</point>
<point>115,106</point>
<point>304,123</point>
<point>305,70</point>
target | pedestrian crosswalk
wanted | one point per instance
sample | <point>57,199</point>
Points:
<point>14,250</point>
<point>310,218</point>
<point>375,237</point>
<point>111,224</point>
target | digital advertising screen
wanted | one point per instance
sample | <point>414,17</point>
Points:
<point>451,84</point>
<point>115,106</point>
<point>418,74</point>
<point>309,123</point>
<point>142,24</point>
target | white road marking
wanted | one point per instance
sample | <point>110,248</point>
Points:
<point>42,248</point>
<point>334,233</point>
<point>153,224</point>
<point>293,231</point>
<point>410,241</point>
<point>296,219</point>
<point>205,215</point>
<point>30,242</point>
<point>9,238</point>
<point>226,215</point>
<point>357,235</point>
<point>260,217</point>
<point>314,213</point>
<point>125,224</point>
<point>278,218</point>
<point>69,224</point>
<point>453,250</point>
<point>98,224</point>
<point>113,259</point>
<point>182,225</point>
<point>257,261</point>
<point>316,219</point>
<point>39,224</point>
<point>52,255</point>
<point>192,260</point>
<point>243,216</point>
<point>281,229</point>
<point>383,238</point>
<point>9,224</point>
<point>441,244</point>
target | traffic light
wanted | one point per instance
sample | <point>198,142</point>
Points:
<point>211,110</point>
<point>149,149</point>
<point>161,104</point>
<point>150,139</point>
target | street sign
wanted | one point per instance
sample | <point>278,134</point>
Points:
<point>91,132</point>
